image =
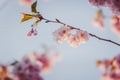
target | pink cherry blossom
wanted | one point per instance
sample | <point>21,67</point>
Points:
<point>61,34</point>
<point>98,23</point>
<point>76,39</point>
<point>106,77</point>
<point>83,35</point>
<point>46,62</point>
<point>29,35</point>
<point>116,62</point>
<point>32,33</point>
<point>115,25</point>
<point>103,65</point>
<point>98,20</point>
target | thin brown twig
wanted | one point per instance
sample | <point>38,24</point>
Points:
<point>92,35</point>
<point>107,40</point>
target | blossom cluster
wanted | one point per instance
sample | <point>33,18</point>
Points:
<point>64,33</point>
<point>98,21</point>
<point>114,5</point>
<point>31,67</point>
<point>27,70</point>
<point>32,32</point>
<point>111,68</point>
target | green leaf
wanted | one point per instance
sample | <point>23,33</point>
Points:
<point>33,7</point>
<point>36,23</point>
<point>26,17</point>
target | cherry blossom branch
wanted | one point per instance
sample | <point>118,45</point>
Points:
<point>107,40</point>
<point>92,35</point>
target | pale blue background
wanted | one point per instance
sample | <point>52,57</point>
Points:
<point>77,63</point>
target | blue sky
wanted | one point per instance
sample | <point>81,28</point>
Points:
<point>77,63</point>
